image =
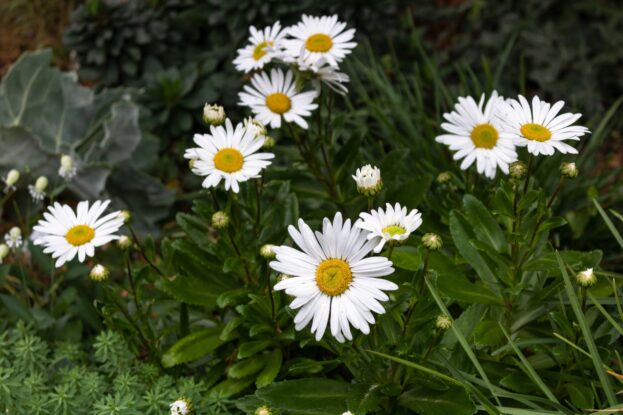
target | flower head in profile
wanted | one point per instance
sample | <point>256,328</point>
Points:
<point>65,233</point>
<point>477,134</point>
<point>540,128</point>
<point>13,238</point>
<point>332,279</point>
<point>68,170</point>
<point>315,38</point>
<point>274,97</point>
<point>368,179</point>
<point>323,73</point>
<point>254,126</point>
<point>37,190</point>
<point>392,225</point>
<point>9,181</point>
<point>228,154</point>
<point>263,46</point>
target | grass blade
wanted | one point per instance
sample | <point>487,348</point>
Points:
<point>586,333</point>
<point>609,223</point>
<point>529,369</point>
<point>468,350</point>
<point>607,315</point>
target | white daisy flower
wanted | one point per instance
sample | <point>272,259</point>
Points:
<point>315,38</point>
<point>37,190</point>
<point>13,238</point>
<point>392,225</point>
<point>263,46</point>
<point>65,233</point>
<point>477,134</point>
<point>324,73</point>
<point>540,128</point>
<point>333,281</point>
<point>228,154</point>
<point>274,97</point>
<point>182,406</point>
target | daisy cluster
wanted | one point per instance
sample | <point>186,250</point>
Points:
<point>488,132</point>
<point>312,50</point>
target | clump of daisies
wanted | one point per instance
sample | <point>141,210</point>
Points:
<point>310,50</point>
<point>66,233</point>
<point>488,132</point>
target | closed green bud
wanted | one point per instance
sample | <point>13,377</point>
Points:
<point>432,241</point>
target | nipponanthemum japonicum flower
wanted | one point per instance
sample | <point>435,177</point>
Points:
<point>228,154</point>
<point>477,134</point>
<point>392,225</point>
<point>65,233</point>
<point>274,97</point>
<point>315,38</point>
<point>263,46</point>
<point>333,281</point>
<point>540,128</point>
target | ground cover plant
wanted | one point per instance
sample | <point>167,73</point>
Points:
<point>349,235</point>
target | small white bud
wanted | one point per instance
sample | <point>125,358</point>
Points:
<point>256,127</point>
<point>267,251</point>
<point>99,273</point>
<point>569,170</point>
<point>41,184</point>
<point>213,114</point>
<point>124,242</point>
<point>37,191</point>
<point>368,179</point>
<point>263,410</point>
<point>586,278</point>
<point>4,251</point>
<point>432,241</point>
<point>12,177</point>
<point>13,238</point>
<point>67,170</point>
<point>220,220</point>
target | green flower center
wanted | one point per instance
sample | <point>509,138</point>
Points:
<point>394,230</point>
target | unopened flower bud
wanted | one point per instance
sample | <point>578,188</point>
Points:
<point>13,238</point>
<point>586,278</point>
<point>517,169</point>
<point>444,177</point>
<point>443,322</point>
<point>569,170</point>
<point>124,242</point>
<point>269,143</point>
<point>67,170</point>
<point>41,184</point>
<point>263,410</point>
<point>432,241</point>
<point>213,114</point>
<point>267,251</point>
<point>125,215</point>
<point>256,127</point>
<point>183,406</point>
<point>220,219</point>
<point>4,251</point>
<point>12,177</point>
<point>99,273</point>
<point>368,179</point>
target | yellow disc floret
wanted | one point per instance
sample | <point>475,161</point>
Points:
<point>484,136</point>
<point>535,132</point>
<point>319,43</point>
<point>80,235</point>
<point>228,160</point>
<point>279,103</point>
<point>260,50</point>
<point>333,276</point>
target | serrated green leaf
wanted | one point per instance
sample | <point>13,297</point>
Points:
<point>271,370</point>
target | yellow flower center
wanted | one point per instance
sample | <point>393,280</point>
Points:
<point>484,136</point>
<point>278,103</point>
<point>333,276</point>
<point>260,50</point>
<point>394,230</point>
<point>319,43</point>
<point>228,160</point>
<point>535,132</point>
<point>80,235</point>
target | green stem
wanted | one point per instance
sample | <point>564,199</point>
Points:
<point>419,292</point>
<point>528,173</point>
<point>142,251</point>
